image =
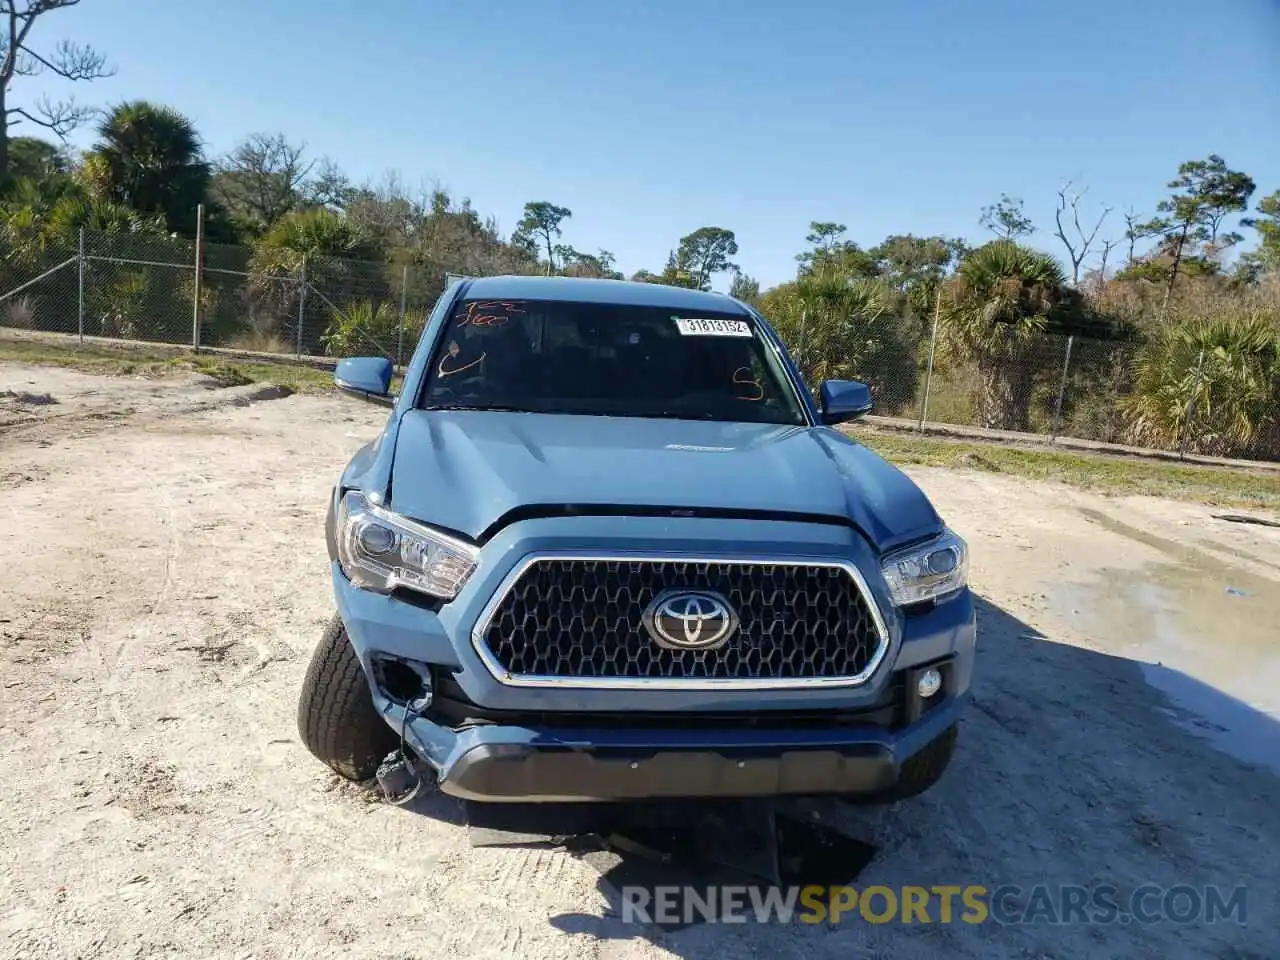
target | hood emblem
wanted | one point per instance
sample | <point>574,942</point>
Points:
<point>690,620</point>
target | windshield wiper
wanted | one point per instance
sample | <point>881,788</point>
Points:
<point>496,407</point>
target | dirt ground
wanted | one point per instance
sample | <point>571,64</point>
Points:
<point>165,580</point>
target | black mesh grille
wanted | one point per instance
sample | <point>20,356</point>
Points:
<point>583,618</point>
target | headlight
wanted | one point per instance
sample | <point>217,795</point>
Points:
<point>379,550</point>
<point>928,571</point>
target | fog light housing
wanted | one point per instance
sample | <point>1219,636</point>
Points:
<point>929,683</point>
<point>403,682</point>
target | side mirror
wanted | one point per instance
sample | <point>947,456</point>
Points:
<point>844,400</point>
<point>368,378</point>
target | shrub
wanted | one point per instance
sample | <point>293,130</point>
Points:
<point>367,328</point>
<point>1215,377</point>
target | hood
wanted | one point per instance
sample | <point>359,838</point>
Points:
<point>463,470</point>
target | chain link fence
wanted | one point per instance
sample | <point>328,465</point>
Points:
<point>1116,392</point>
<point>141,288</point>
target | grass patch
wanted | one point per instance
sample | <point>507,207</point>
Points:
<point>158,362</point>
<point>1220,486</point>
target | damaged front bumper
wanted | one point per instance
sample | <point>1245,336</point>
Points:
<point>511,763</point>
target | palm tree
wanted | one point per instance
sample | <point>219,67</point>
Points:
<point>149,157</point>
<point>38,224</point>
<point>73,212</point>
<point>312,235</point>
<point>993,311</point>
<point>338,260</point>
<point>838,326</point>
<point>1214,377</point>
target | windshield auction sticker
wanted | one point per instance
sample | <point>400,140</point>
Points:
<point>692,327</point>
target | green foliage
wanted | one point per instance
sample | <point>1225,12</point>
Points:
<point>827,250</point>
<point>36,159</point>
<point>575,263</point>
<point>132,303</point>
<point>839,326</point>
<point>1267,256</point>
<point>337,259</point>
<point>1001,295</point>
<point>541,222</point>
<point>672,275</point>
<point>1208,191</point>
<point>704,253</point>
<point>908,263</point>
<point>149,157</point>
<point>39,223</point>
<point>73,212</point>
<point>993,312</point>
<point>1221,370</point>
<point>368,328</point>
<point>915,267</point>
<point>1006,220</point>
<point>744,288</point>
<point>313,236</point>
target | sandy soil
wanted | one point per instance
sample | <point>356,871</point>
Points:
<point>165,580</point>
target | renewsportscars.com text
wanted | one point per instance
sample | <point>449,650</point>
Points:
<point>969,904</point>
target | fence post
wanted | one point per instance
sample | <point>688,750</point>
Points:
<point>1062,387</point>
<point>80,324</point>
<point>302,308</point>
<point>928,373</point>
<point>404,296</point>
<point>195,305</point>
<point>799,357</point>
<point>1191,405</point>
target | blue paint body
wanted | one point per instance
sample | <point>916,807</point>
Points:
<point>365,374</point>
<point>466,471</point>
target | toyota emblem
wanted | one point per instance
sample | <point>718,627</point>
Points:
<point>690,620</point>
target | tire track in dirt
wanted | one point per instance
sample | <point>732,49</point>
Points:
<point>78,423</point>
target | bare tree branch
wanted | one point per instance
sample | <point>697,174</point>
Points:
<point>1079,249</point>
<point>1100,276</point>
<point>1135,229</point>
<point>264,176</point>
<point>71,61</point>
<point>60,117</point>
<point>1107,247</point>
<point>17,36</point>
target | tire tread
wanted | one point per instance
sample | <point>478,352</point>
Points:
<point>336,716</point>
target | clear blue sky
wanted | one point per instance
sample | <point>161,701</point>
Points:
<point>650,120</point>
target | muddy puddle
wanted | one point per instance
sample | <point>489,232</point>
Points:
<point>1206,633</point>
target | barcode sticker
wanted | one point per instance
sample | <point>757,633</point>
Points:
<point>692,327</point>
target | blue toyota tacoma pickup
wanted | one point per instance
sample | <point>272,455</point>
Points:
<point>609,547</point>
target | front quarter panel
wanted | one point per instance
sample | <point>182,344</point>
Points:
<point>370,469</point>
<point>882,500</point>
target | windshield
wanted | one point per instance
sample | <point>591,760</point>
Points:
<point>609,360</point>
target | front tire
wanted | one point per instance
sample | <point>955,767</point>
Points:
<point>336,717</point>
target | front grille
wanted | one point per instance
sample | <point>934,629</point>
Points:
<point>452,708</point>
<point>582,620</point>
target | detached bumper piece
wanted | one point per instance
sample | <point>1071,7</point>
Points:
<point>511,772</point>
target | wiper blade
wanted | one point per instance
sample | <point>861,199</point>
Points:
<point>685,415</point>
<point>496,407</point>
